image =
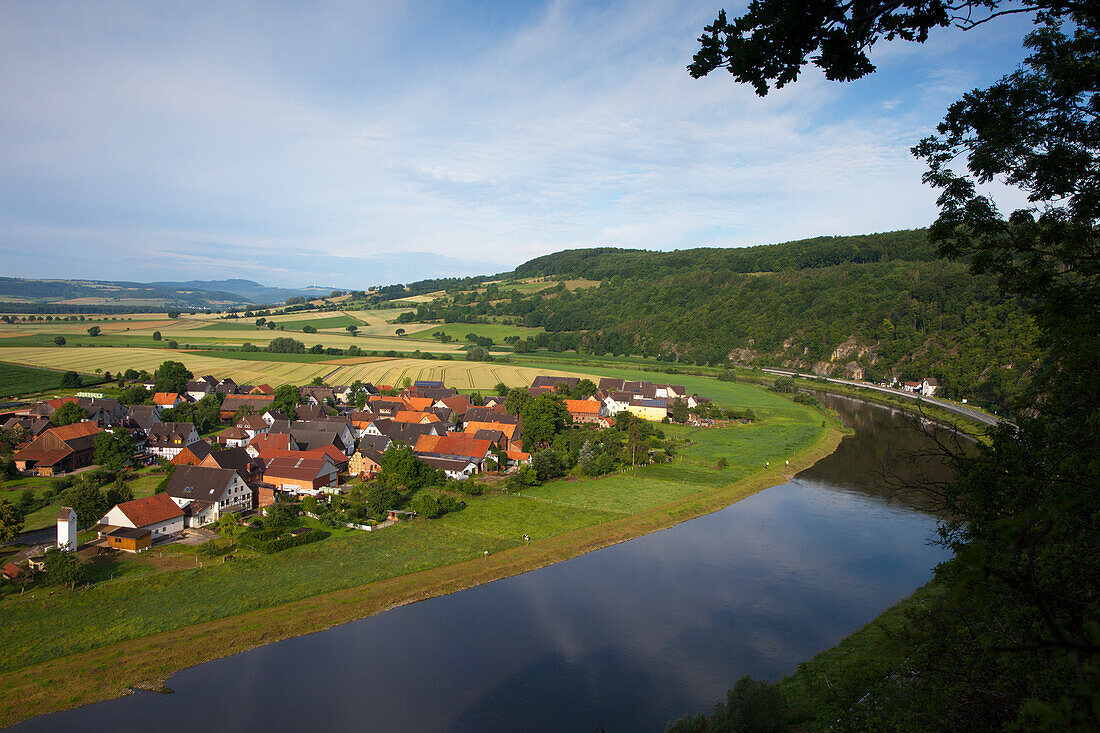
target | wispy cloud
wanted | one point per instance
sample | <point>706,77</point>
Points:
<point>295,144</point>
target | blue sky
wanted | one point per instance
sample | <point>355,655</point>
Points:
<point>360,143</point>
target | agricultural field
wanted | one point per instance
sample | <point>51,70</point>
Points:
<point>527,287</point>
<point>293,369</point>
<point>18,380</point>
<point>87,360</point>
<point>378,322</point>
<point>496,331</point>
<point>458,374</point>
<point>329,321</point>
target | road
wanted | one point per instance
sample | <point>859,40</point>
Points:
<point>963,410</point>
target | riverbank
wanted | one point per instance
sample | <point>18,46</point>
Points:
<point>72,680</point>
<point>827,687</point>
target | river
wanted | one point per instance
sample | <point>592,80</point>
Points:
<point>625,638</point>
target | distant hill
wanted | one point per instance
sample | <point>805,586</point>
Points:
<point>249,290</point>
<point>121,295</point>
<point>871,306</point>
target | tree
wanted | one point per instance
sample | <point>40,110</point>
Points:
<point>156,335</point>
<point>279,516</point>
<point>136,395</point>
<point>399,331</point>
<point>88,502</point>
<point>113,448</point>
<point>547,465</point>
<point>751,706</point>
<point>59,340</point>
<point>11,521</point>
<point>285,345</point>
<point>543,418</point>
<point>352,329</point>
<point>286,399</point>
<point>401,468</point>
<point>70,380</point>
<point>228,524</point>
<point>1025,584</point>
<point>94,331</point>
<point>63,568</point>
<point>678,412</point>
<point>118,493</point>
<point>67,414</point>
<point>171,376</point>
<point>380,498</point>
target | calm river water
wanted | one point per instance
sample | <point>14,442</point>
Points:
<point>626,638</point>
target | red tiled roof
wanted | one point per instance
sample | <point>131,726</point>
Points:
<point>415,417</point>
<point>76,430</point>
<point>165,398</point>
<point>452,445</point>
<point>270,441</point>
<point>295,468</point>
<point>150,510</point>
<point>583,407</point>
<point>508,429</point>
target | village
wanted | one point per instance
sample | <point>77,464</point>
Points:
<point>312,451</point>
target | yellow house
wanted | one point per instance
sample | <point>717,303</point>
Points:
<point>648,409</point>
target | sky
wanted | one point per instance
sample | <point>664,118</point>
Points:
<point>351,144</point>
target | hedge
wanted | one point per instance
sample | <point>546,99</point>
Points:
<point>284,543</point>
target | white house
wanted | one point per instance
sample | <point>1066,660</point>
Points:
<point>158,514</point>
<point>205,494</point>
<point>167,439</point>
<point>929,386</point>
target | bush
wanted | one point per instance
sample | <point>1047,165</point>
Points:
<point>750,707</point>
<point>282,543</point>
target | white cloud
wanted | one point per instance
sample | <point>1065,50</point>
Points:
<point>289,137</point>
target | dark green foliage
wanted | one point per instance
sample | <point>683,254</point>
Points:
<point>278,544</point>
<point>279,516</point>
<point>204,414</point>
<point>11,521</point>
<point>70,379</point>
<point>136,395</point>
<point>67,414</point>
<point>751,706</point>
<point>547,465</point>
<point>543,417</point>
<point>113,449</point>
<point>432,505</point>
<point>400,468</point>
<point>309,329</point>
<point>117,493</point>
<point>285,345</point>
<point>286,399</point>
<point>171,376</point>
<point>1014,643</point>
<point>63,568</point>
<point>380,497</point>
<point>59,340</point>
<point>87,500</point>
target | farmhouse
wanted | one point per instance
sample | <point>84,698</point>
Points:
<point>167,439</point>
<point>133,526</point>
<point>206,493</point>
<point>301,475</point>
<point>365,462</point>
<point>585,411</point>
<point>58,450</point>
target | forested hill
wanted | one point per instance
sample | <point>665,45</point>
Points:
<point>873,306</point>
<point>604,263</point>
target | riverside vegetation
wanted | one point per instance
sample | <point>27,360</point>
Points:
<point>179,605</point>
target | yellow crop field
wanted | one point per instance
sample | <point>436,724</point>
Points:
<point>87,360</point>
<point>458,374</point>
<point>377,323</point>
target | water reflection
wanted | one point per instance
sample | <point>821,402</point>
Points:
<point>625,638</point>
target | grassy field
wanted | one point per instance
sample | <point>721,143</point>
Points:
<point>458,374</point>
<point>111,359</point>
<point>19,380</point>
<point>177,614</point>
<point>143,484</point>
<point>328,320</point>
<point>496,331</point>
<point>74,622</point>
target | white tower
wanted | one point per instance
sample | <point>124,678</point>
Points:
<point>66,529</point>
